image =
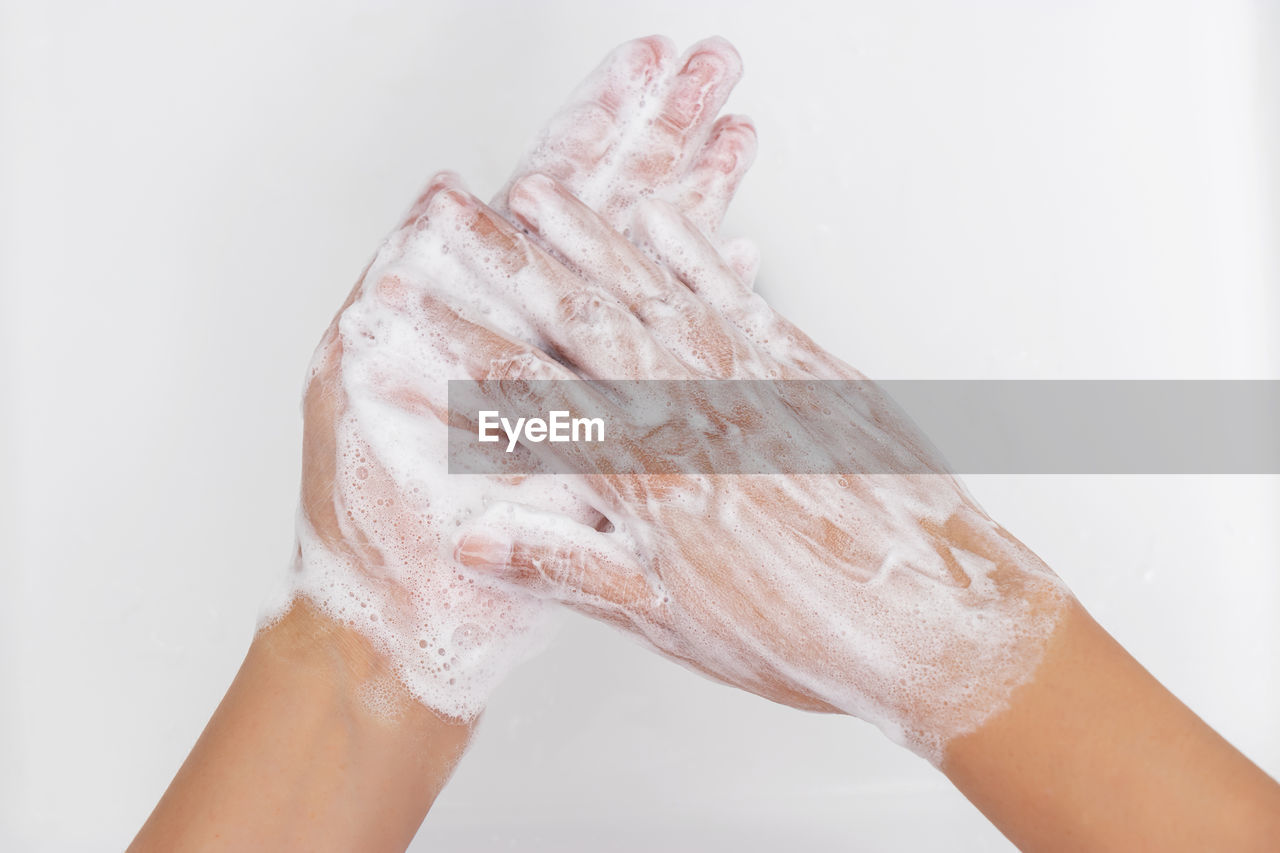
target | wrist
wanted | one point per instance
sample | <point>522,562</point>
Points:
<point>307,642</point>
<point>981,609</point>
<point>315,746</point>
<point>348,678</point>
<point>1093,753</point>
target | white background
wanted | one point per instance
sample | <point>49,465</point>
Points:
<point>946,189</point>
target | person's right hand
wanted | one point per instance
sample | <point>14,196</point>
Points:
<point>891,597</point>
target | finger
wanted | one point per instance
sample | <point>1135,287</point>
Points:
<point>598,116</point>
<point>445,344</point>
<point>554,557</point>
<point>674,242</point>
<point>719,319</point>
<point>713,179</point>
<point>470,350</point>
<point>439,181</point>
<point>509,375</point>
<point>407,350</point>
<point>518,389</point>
<point>385,355</point>
<point>586,326</point>
<point>502,272</point>
<point>673,317</point>
<point>710,70</point>
<point>408,231</point>
<point>602,340</point>
<point>677,244</point>
<point>589,246</point>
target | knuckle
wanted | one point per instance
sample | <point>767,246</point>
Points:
<point>579,306</point>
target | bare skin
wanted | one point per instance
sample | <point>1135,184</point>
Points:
<point>858,594</point>
<point>319,746</point>
<point>297,758</point>
<point>372,530</point>
<point>1095,754</point>
<point>1089,752</point>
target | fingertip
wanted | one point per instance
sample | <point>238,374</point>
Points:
<point>528,194</point>
<point>437,183</point>
<point>446,178</point>
<point>647,55</point>
<point>734,121</point>
<point>442,182</point>
<point>740,128</point>
<point>724,51</point>
<point>709,71</point>
<point>476,550</point>
<point>732,146</point>
<point>450,201</point>
<point>532,186</point>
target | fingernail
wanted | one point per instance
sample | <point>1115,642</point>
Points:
<point>704,68</point>
<point>482,551</point>
<point>527,196</point>
<point>654,50</point>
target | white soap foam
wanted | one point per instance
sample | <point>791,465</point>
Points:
<point>895,622</point>
<point>825,592</point>
<point>387,569</point>
<point>890,597</point>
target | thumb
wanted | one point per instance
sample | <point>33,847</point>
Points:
<point>553,556</point>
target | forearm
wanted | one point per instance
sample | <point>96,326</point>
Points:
<point>1094,754</point>
<point>314,747</point>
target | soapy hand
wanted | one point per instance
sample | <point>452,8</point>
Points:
<point>891,597</point>
<point>640,127</point>
<point>377,509</point>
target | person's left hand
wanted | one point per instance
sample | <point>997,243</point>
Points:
<point>378,509</point>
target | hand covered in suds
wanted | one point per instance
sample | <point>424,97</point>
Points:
<point>892,597</point>
<point>378,510</point>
